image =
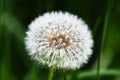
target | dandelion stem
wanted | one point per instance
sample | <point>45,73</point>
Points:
<point>106,18</point>
<point>51,73</point>
<point>65,76</point>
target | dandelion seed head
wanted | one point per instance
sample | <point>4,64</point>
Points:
<point>59,39</point>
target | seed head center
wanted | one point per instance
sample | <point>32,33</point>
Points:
<point>59,40</point>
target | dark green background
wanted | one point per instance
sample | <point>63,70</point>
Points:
<point>15,15</point>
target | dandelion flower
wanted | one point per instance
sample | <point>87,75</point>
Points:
<point>59,39</point>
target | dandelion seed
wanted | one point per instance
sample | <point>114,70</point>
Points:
<point>59,39</point>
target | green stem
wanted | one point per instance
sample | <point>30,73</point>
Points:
<point>65,76</point>
<point>106,18</point>
<point>51,73</point>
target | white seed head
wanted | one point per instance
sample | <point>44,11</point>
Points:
<point>59,39</point>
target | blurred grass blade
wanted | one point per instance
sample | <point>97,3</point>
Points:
<point>5,63</point>
<point>95,28</point>
<point>103,72</point>
<point>33,73</point>
<point>106,18</point>
<point>13,26</point>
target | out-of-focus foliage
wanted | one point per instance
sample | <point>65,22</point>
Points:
<point>15,15</point>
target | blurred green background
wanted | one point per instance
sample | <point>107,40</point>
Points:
<point>15,15</point>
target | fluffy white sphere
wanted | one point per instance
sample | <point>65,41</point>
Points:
<point>59,39</point>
